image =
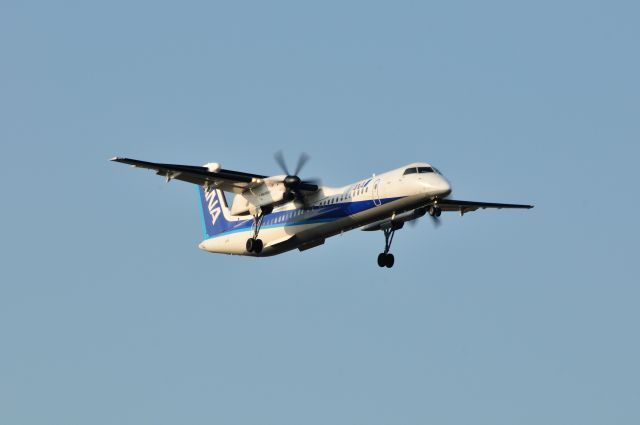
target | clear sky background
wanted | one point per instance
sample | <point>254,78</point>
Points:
<point>109,313</point>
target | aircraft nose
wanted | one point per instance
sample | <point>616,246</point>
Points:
<point>443,187</point>
<point>436,185</point>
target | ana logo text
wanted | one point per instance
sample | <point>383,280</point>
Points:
<point>213,205</point>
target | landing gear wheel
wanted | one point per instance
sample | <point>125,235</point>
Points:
<point>434,211</point>
<point>386,260</point>
<point>389,260</point>
<point>257,246</point>
<point>254,245</point>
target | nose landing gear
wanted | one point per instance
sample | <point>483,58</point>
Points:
<point>386,259</point>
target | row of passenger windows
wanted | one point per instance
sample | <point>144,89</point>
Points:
<point>336,199</point>
<point>330,201</point>
<point>285,217</point>
<point>419,170</point>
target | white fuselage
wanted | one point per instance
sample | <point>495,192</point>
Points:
<point>332,211</point>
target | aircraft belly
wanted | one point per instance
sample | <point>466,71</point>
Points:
<point>276,240</point>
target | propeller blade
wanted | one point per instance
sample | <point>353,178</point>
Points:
<point>301,161</point>
<point>300,200</point>
<point>434,220</point>
<point>292,181</point>
<point>313,180</point>
<point>279,157</point>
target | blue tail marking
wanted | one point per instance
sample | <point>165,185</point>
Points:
<point>212,203</point>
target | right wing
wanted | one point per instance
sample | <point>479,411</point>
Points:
<point>468,206</point>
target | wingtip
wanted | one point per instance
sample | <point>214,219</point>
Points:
<point>115,158</point>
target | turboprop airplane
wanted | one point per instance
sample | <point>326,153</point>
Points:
<point>270,215</point>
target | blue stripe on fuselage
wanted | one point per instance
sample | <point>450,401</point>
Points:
<point>298,217</point>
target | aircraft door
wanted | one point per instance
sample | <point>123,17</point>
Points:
<point>375,194</point>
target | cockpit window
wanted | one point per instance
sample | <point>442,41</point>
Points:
<point>425,170</point>
<point>410,171</point>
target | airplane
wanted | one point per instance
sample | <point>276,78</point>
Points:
<point>270,215</point>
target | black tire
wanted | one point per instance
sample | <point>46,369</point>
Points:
<point>438,212</point>
<point>432,211</point>
<point>257,246</point>
<point>250,245</point>
<point>389,260</point>
<point>382,257</point>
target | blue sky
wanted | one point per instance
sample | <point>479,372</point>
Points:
<point>110,314</point>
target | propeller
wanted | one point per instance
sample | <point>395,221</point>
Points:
<point>435,220</point>
<point>292,181</point>
<point>279,157</point>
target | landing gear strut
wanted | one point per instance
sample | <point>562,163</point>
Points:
<point>254,244</point>
<point>386,259</point>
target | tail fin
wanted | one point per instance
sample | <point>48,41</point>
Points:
<point>213,206</point>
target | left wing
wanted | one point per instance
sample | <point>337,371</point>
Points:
<point>468,206</point>
<point>230,181</point>
<point>210,174</point>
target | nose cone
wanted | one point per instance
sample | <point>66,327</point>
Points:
<point>436,185</point>
<point>443,187</point>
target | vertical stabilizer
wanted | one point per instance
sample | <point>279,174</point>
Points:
<point>213,207</point>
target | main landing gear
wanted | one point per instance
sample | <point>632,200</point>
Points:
<point>254,244</point>
<point>386,259</point>
<point>435,211</point>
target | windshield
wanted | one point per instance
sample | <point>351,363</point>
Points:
<point>421,170</point>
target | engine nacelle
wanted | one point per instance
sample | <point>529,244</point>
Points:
<point>397,221</point>
<point>271,193</point>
